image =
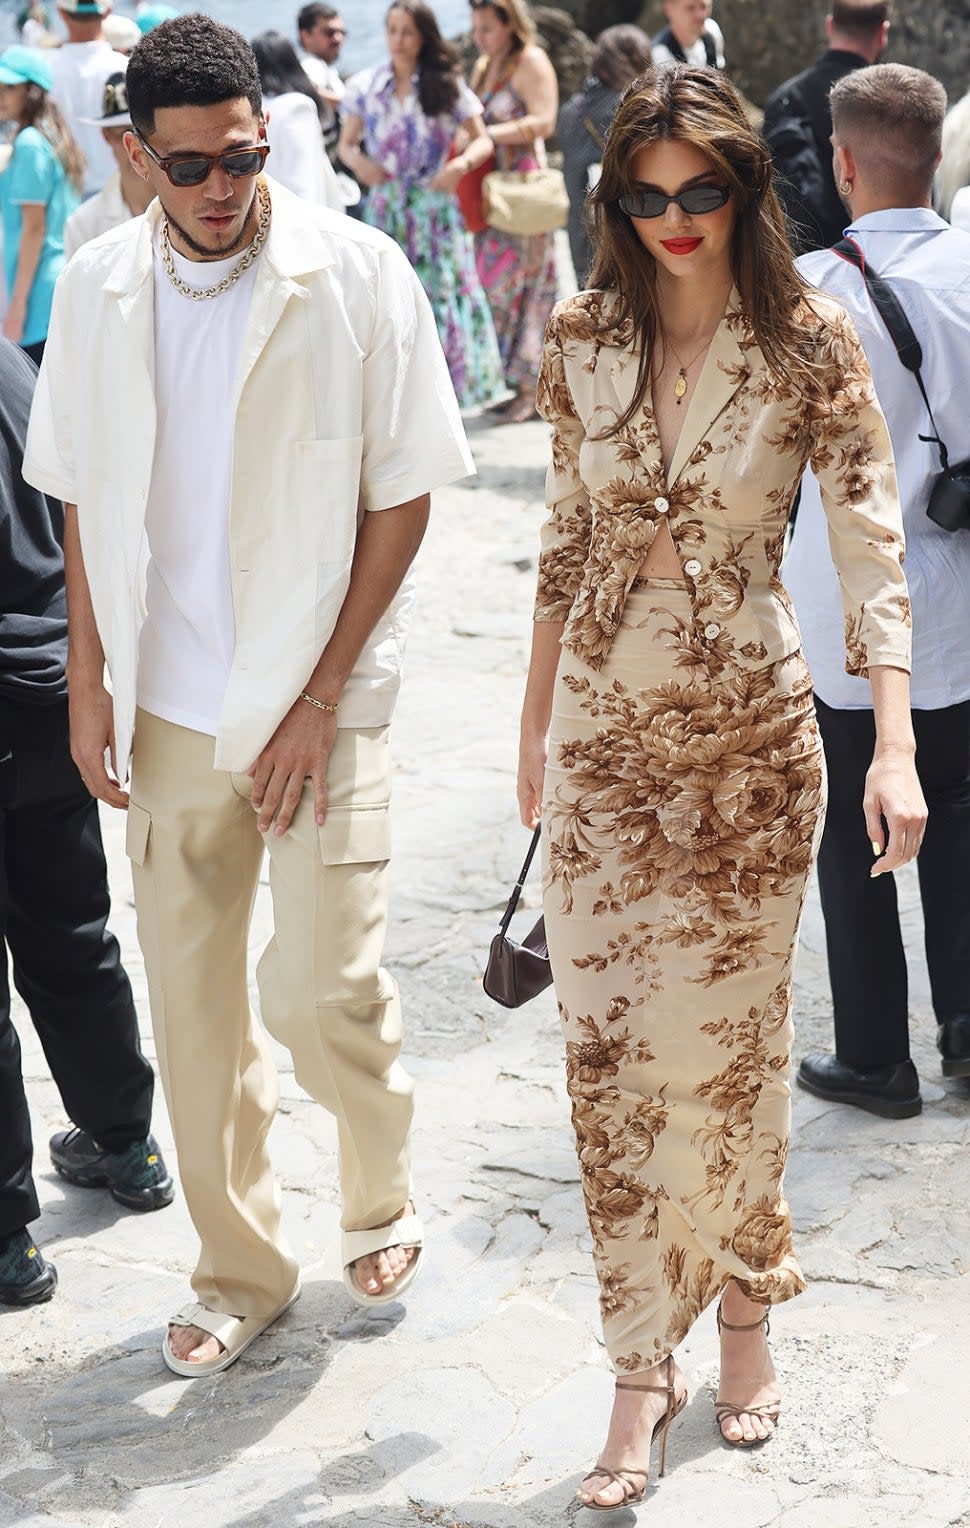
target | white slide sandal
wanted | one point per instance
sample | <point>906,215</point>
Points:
<point>406,1232</point>
<point>234,1332</point>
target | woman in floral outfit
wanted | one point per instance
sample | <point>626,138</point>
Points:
<point>668,731</point>
<point>408,112</point>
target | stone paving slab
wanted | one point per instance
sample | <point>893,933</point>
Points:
<point>484,1402</point>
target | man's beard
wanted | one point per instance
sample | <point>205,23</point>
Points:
<point>243,237</point>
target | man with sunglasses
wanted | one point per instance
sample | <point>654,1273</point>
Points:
<point>322,35</point>
<point>274,373</point>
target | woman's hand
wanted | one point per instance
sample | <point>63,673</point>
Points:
<point>448,177</point>
<point>893,792</point>
<point>533,753</point>
<point>368,171</point>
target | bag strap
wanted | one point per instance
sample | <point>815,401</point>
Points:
<point>594,132</point>
<point>500,84</point>
<point>901,332</point>
<point>517,889</point>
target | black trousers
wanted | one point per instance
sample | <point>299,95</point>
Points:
<point>66,966</point>
<point>867,964</point>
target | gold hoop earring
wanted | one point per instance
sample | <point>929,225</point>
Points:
<point>845,188</point>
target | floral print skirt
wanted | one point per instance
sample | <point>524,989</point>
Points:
<point>680,823</point>
<point>520,281</point>
<point>430,229</point>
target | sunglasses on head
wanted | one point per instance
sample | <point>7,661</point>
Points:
<point>695,201</point>
<point>193,169</point>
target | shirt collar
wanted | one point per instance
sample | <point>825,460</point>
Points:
<point>384,78</point>
<point>899,220</point>
<point>295,245</point>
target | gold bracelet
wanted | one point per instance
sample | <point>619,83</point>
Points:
<point>321,705</point>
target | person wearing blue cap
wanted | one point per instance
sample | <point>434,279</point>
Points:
<point>151,16</point>
<point>80,67</point>
<point>39,189</point>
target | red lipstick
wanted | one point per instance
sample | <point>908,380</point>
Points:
<point>681,246</point>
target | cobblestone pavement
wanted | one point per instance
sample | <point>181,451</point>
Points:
<point>482,1402</point>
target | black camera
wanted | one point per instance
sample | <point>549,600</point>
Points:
<point>949,505</point>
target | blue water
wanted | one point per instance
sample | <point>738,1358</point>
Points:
<point>364,18</point>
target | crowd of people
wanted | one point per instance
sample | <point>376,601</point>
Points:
<point>766,322</point>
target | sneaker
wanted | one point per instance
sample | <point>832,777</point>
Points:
<point>137,1176</point>
<point>26,1278</point>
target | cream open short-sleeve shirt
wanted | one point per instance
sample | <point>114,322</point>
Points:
<point>342,405</point>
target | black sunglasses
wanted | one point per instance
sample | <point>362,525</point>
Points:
<point>193,169</point>
<point>695,201</point>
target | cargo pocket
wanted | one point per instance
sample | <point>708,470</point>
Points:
<point>137,833</point>
<point>355,836</point>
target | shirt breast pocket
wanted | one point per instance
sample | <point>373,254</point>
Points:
<point>324,490</point>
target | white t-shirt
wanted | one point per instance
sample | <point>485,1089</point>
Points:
<point>186,645</point>
<point>80,70</point>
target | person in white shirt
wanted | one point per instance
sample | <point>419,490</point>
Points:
<point>887,123</point>
<point>80,67</point>
<point>294,124</point>
<point>275,374</point>
<point>322,34</point>
<point>126,194</point>
<point>120,33</point>
<point>691,36</point>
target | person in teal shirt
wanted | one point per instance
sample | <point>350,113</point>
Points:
<point>39,189</point>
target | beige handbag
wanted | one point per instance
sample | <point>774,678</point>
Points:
<point>526,202</point>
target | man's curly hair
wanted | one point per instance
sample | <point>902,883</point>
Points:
<point>190,61</point>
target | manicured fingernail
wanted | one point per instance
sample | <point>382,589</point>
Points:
<point>876,847</point>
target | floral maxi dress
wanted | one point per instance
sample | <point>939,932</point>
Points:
<point>685,790</point>
<point>518,272</point>
<point>428,225</point>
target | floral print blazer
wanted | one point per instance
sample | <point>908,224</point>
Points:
<point>745,442</point>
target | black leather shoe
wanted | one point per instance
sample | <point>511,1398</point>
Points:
<point>892,1091</point>
<point>26,1278</point>
<point>137,1176</point>
<point>953,1041</point>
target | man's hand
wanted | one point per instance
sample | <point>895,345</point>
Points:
<point>92,734</point>
<point>299,750</point>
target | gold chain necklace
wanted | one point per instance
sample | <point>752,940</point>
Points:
<point>202,294</point>
<point>680,385</point>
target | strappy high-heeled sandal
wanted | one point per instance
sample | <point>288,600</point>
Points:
<point>634,1494</point>
<point>725,1409</point>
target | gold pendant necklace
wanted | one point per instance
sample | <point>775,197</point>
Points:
<point>680,385</point>
<point>202,294</point>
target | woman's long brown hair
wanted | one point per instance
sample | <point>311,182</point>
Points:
<point>40,112</point>
<point>702,108</point>
<point>439,64</point>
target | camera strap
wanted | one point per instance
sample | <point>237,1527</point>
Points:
<point>901,332</point>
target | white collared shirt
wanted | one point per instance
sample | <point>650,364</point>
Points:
<point>928,265</point>
<point>97,215</point>
<point>342,405</point>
